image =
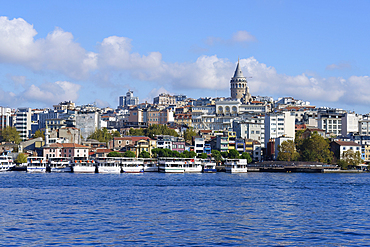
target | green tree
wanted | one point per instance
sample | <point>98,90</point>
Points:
<point>233,154</point>
<point>39,133</point>
<point>144,154</point>
<point>202,156</point>
<point>136,132</point>
<point>21,158</point>
<point>129,154</point>
<point>102,135</point>
<point>216,155</point>
<point>115,154</point>
<point>159,129</point>
<point>116,134</point>
<point>287,151</point>
<point>188,135</point>
<point>246,156</point>
<point>352,158</point>
<point>224,154</point>
<point>315,148</point>
<point>10,134</point>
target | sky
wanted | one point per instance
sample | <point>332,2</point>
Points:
<point>95,51</point>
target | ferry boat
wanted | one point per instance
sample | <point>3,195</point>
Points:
<point>83,166</point>
<point>179,165</point>
<point>6,163</point>
<point>108,165</point>
<point>150,165</point>
<point>62,164</point>
<point>209,166</point>
<point>36,164</point>
<point>236,165</point>
<point>132,165</point>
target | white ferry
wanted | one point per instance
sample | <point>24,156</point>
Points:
<point>236,165</point>
<point>179,165</point>
<point>62,164</point>
<point>209,166</point>
<point>132,165</point>
<point>36,164</point>
<point>108,165</point>
<point>83,166</point>
<point>6,163</point>
<point>150,165</point>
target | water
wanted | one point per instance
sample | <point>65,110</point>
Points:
<point>155,209</point>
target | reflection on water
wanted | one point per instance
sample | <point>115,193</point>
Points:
<point>184,209</point>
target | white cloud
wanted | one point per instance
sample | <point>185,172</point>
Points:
<point>56,52</point>
<point>51,93</point>
<point>243,36</point>
<point>340,66</point>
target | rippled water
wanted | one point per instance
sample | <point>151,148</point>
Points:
<point>184,209</point>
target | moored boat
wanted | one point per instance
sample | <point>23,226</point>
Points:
<point>131,165</point>
<point>108,165</point>
<point>150,165</point>
<point>179,165</point>
<point>6,163</point>
<point>209,166</point>
<point>83,166</point>
<point>62,164</point>
<point>236,165</point>
<point>36,164</point>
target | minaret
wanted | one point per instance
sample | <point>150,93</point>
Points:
<point>238,84</point>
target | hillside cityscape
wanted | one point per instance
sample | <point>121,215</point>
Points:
<point>257,125</point>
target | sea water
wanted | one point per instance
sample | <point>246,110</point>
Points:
<point>155,209</point>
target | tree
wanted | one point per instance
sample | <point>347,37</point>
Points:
<point>136,132</point>
<point>246,156</point>
<point>188,135</point>
<point>39,133</point>
<point>224,155</point>
<point>352,158</point>
<point>10,134</point>
<point>287,151</point>
<point>21,158</point>
<point>115,154</point>
<point>116,134</point>
<point>144,154</point>
<point>202,156</point>
<point>233,154</point>
<point>102,135</point>
<point>129,154</point>
<point>315,148</point>
<point>216,155</point>
<point>159,129</point>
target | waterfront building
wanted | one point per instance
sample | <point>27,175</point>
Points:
<point>199,144</point>
<point>171,142</point>
<point>23,122</point>
<point>252,128</point>
<point>279,124</point>
<point>278,142</point>
<point>72,150</point>
<point>338,147</point>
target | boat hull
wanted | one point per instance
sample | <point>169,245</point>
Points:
<point>84,169</point>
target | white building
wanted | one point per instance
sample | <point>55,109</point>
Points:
<point>279,124</point>
<point>5,117</point>
<point>279,141</point>
<point>350,123</point>
<point>253,128</point>
<point>23,122</point>
<point>128,100</point>
<point>199,145</point>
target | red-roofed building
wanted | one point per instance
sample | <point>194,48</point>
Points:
<point>65,150</point>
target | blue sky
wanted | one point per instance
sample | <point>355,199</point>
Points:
<point>94,51</point>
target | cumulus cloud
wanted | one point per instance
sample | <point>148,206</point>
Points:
<point>340,66</point>
<point>56,52</point>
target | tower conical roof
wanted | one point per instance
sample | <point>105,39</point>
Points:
<point>238,72</point>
